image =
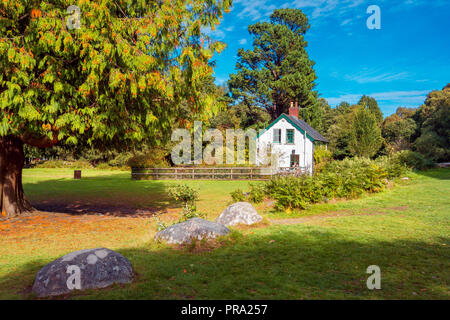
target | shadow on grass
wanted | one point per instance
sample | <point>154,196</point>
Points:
<point>115,195</point>
<point>438,173</point>
<point>282,263</point>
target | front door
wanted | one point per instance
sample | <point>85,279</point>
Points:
<point>295,160</point>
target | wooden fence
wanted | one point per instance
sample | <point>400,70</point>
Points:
<point>198,173</point>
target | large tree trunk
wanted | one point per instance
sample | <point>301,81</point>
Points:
<point>12,201</point>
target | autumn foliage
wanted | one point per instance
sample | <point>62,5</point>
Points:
<point>119,78</point>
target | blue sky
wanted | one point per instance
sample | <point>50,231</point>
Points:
<point>398,64</point>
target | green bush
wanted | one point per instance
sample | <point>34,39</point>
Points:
<point>355,176</point>
<point>413,160</point>
<point>188,196</point>
<point>155,158</point>
<point>348,178</point>
<point>289,192</point>
<point>238,195</point>
<point>257,193</point>
<point>58,164</point>
<point>108,166</point>
<point>321,156</point>
<point>393,167</point>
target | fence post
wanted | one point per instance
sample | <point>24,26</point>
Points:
<point>213,175</point>
<point>193,173</point>
<point>231,174</point>
<point>176,174</point>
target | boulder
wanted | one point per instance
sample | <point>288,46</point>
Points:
<point>84,269</point>
<point>195,228</point>
<point>239,213</point>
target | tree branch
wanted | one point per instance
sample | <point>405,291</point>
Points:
<point>41,142</point>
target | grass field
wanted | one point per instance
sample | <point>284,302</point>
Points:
<point>319,253</point>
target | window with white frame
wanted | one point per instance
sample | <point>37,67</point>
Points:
<point>276,135</point>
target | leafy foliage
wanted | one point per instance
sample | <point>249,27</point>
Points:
<point>277,70</point>
<point>412,160</point>
<point>120,78</point>
<point>371,105</point>
<point>339,130</point>
<point>188,196</point>
<point>366,137</point>
<point>321,156</point>
<point>398,130</point>
<point>257,193</point>
<point>65,164</point>
<point>152,158</point>
<point>238,195</point>
<point>348,178</point>
<point>434,119</point>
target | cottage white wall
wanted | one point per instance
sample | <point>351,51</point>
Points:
<point>302,147</point>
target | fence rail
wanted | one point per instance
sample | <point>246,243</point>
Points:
<point>197,173</point>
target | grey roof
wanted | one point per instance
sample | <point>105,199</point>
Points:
<point>309,130</point>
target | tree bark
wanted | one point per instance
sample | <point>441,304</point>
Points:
<point>12,158</point>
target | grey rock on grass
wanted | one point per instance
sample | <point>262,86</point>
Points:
<point>84,269</point>
<point>195,228</point>
<point>239,213</point>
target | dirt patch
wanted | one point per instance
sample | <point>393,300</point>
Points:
<point>40,223</point>
<point>337,214</point>
<point>402,208</point>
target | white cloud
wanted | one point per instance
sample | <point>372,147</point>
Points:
<point>243,41</point>
<point>261,9</point>
<point>347,21</point>
<point>257,9</point>
<point>370,77</point>
<point>399,98</point>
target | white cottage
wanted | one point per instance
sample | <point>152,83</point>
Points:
<point>291,141</point>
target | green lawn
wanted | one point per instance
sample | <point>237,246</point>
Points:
<point>404,230</point>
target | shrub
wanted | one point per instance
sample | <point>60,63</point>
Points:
<point>321,156</point>
<point>413,160</point>
<point>289,192</point>
<point>160,225</point>
<point>188,196</point>
<point>58,164</point>
<point>348,178</point>
<point>155,158</point>
<point>257,193</point>
<point>238,195</point>
<point>393,167</point>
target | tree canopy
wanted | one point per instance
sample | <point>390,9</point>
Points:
<point>434,119</point>
<point>132,61</point>
<point>119,78</point>
<point>398,129</point>
<point>278,69</point>
<point>366,137</point>
<point>372,105</point>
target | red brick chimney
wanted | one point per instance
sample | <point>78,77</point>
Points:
<point>293,111</point>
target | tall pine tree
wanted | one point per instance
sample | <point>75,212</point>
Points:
<point>278,69</point>
<point>366,137</point>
